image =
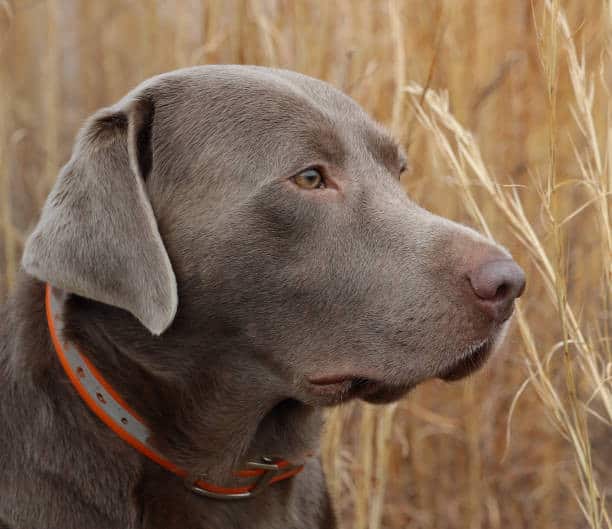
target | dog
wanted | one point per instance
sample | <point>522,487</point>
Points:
<point>227,252</point>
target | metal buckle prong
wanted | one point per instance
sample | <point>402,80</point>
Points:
<point>268,464</point>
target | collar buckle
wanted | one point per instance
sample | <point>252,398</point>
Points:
<point>267,470</point>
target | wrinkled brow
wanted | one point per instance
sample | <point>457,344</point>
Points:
<point>324,144</point>
<point>387,151</point>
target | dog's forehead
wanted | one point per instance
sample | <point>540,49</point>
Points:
<point>266,107</point>
<point>245,83</point>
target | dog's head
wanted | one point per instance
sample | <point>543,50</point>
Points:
<point>258,213</point>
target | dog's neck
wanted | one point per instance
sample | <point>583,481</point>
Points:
<point>209,422</point>
<point>116,485</point>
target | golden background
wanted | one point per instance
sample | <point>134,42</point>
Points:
<point>525,443</point>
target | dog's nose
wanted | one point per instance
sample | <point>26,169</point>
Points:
<point>497,284</point>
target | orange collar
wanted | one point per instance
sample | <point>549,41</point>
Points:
<point>108,405</point>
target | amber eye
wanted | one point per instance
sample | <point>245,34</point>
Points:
<point>309,179</point>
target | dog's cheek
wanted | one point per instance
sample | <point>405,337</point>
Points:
<point>278,213</point>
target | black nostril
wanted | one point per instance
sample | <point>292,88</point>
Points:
<point>502,290</point>
<point>496,285</point>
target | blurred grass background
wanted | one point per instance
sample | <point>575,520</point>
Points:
<point>528,158</point>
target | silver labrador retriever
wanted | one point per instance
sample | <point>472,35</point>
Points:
<point>230,250</point>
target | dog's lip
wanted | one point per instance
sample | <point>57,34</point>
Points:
<point>468,363</point>
<point>337,384</point>
<point>328,380</point>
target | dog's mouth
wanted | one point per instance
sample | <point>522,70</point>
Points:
<point>339,388</point>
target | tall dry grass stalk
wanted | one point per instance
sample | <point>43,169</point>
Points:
<point>585,346</point>
<point>522,85</point>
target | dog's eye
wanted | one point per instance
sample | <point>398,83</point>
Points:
<point>309,179</point>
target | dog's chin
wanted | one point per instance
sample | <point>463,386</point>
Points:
<point>342,389</point>
<point>377,392</point>
<point>385,394</point>
<point>469,362</point>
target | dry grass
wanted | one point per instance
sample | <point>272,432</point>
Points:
<point>504,109</point>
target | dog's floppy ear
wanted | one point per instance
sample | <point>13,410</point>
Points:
<point>97,235</point>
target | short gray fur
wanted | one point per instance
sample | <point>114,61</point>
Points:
<point>209,289</point>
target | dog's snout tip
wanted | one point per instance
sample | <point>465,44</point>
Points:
<point>496,284</point>
<point>498,279</point>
